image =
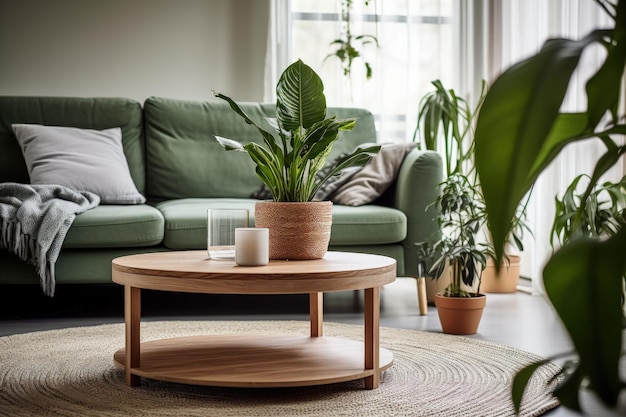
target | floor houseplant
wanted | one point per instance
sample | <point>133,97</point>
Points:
<point>459,255</point>
<point>506,278</point>
<point>445,123</point>
<point>520,130</point>
<point>599,213</point>
<point>289,166</point>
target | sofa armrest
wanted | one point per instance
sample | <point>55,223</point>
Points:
<point>417,188</point>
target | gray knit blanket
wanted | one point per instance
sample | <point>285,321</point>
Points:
<point>34,220</point>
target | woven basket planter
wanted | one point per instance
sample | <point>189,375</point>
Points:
<point>298,231</point>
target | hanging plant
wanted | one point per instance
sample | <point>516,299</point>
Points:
<point>346,44</point>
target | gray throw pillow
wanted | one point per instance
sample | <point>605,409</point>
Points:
<point>333,183</point>
<point>374,179</point>
<point>80,159</point>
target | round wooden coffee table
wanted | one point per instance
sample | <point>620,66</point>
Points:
<point>254,360</point>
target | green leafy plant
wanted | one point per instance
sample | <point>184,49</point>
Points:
<point>444,124</point>
<point>347,50</point>
<point>520,131</point>
<point>460,219</point>
<point>602,213</point>
<point>289,166</point>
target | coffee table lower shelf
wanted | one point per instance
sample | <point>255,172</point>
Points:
<point>254,360</point>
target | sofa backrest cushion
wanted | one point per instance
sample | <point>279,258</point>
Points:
<point>85,113</point>
<point>184,160</point>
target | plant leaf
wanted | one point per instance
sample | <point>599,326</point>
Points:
<point>268,167</point>
<point>584,282</point>
<point>322,135</point>
<point>229,144</point>
<point>267,137</point>
<point>515,120</point>
<point>520,381</point>
<point>601,92</point>
<point>359,157</point>
<point>567,128</point>
<point>300,100</point>
<point>567,391</point>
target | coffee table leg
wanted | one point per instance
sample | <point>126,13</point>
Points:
<point>132,314</point>
<point>372,336</point>
<point>316,309</point>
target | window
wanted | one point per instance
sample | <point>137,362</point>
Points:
<point>460,43</point>
<point>416,47</point>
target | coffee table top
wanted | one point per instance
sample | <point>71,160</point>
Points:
<point>192,271</point>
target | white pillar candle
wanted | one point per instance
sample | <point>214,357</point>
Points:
<point>252,246</point>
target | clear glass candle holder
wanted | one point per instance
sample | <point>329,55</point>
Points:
<point>221,225</point>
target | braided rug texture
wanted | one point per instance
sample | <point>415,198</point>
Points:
<point>70,372</point>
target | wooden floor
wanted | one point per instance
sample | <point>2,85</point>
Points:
<point>520,320</point>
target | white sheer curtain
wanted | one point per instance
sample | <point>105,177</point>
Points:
<point>518,29</point>
<point>416,47</point>
<point>458,42</point>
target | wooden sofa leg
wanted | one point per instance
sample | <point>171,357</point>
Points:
<point>421,296</point>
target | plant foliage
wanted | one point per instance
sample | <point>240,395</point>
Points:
<point>519,132</point>
<point>288,166</point>
<point>347,50</point>
<point>461,217</point>
<point>601,213</point>
<point>444,124</point>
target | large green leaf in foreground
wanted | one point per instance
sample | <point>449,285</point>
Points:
<point>515,123</point>
<point>584,282</point>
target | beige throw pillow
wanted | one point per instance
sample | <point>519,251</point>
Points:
<point>374,179</point>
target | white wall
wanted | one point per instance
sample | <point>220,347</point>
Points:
<point>133,48</point>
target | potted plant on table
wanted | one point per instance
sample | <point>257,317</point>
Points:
<point>520,131</point>
<point>289,165</point>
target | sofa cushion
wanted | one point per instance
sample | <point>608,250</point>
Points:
<point>86,113</point>
<point>186,222</point>
<point>186,219</point>
<point>116,226</point>
<point>367,225</point>
<point>369,183</point>
<point>185,161</point>
<point>80,159</point>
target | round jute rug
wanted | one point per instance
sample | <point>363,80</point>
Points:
<point>70,372</point>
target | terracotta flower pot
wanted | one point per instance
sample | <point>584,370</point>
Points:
<point>298,231</point>
<point>504,282</point>
<point>460,315</point>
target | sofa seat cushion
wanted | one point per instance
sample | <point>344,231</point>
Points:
<point>367,225</point>
<point>186,219</point>
<point>186,222</point>
<point>116,226</point>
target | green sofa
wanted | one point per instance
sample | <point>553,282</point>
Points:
<point>182,171</point>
